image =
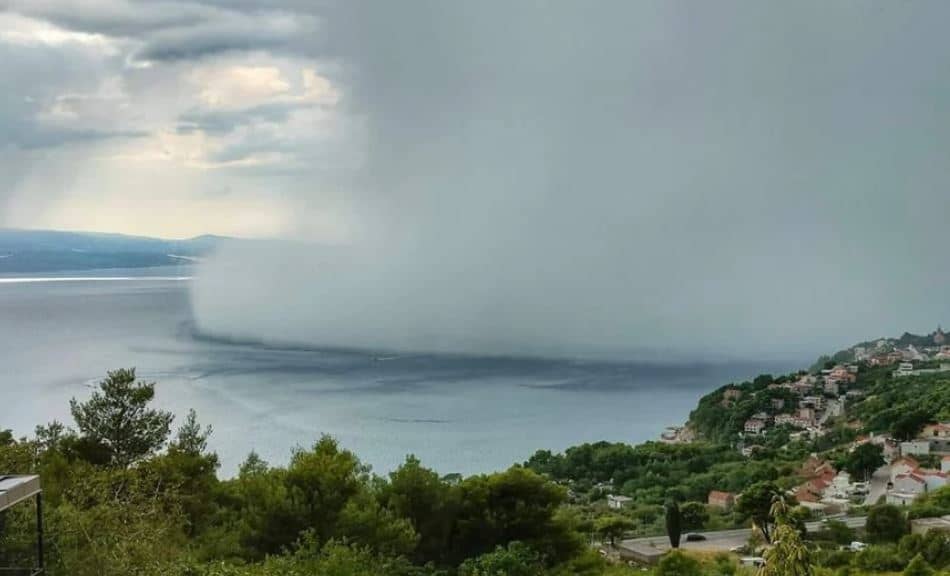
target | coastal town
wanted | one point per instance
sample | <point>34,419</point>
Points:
<point>810,405</point>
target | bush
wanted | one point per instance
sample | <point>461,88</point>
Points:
<point>677,563</point>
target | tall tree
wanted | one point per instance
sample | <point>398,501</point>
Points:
<point>117,416</point>
<point>756,503</point>
<point>886,523</point>
<point>674,523</point>
<point>788,555</point>
<point>864,460</point>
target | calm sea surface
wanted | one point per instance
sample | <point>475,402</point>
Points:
<point>57,338</point>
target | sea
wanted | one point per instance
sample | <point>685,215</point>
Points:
<point>61,333</point>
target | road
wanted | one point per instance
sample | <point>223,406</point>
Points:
<point>877,485</point>
<point>723,540</point>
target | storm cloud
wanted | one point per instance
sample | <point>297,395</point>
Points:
<point>621,179</point>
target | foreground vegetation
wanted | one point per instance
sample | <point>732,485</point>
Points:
<point>128,493</point>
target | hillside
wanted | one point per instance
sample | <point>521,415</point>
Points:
<point>860,387</point>
<point>43,251</point>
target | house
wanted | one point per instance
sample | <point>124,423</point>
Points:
<point>904,369</point>
<point>903,465</point>
<point>945,464</point>
<point>615,502</point>
<point>816,402</point>
<point>934,478</point>
<point>721,500</point>
<point>842,374</point>
<point>915,448</point>
<point>754,426</point>
<point>778,403</point>
<point>790,420</point>
<point>840,487</point>
<point>807,415</point>
<point>937,430</point>
<point>900,498</point>
<point>923,525</point>
<point>831,387</point>
<point>911,483</point>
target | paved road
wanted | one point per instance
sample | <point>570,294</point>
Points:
<point>723,540</point>
<point>877,485</point>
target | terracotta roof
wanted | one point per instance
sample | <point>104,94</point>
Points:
<point>912,462</point>
<point>912,476</point>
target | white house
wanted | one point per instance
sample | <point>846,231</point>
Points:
<point>915,448</point>
<point>938,430</point>
<point>945,464</point>
<point>904,369</point>
<point>616,502</point>
<point>903,465</point>
<point>933,478</point>
<point>754,426</point>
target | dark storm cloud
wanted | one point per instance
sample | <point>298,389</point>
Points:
<point>556,177</point>
<point>566,178</point>
<point>184,30</point>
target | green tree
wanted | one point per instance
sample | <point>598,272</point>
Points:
<point>428,502</point>
<point>837,532</point>
<point>918,567</point>
<point>886,523</point>
<point>756,503</point>
<point>117,416</point>
<point>514,505</point>
<point>514,560</point>
<point>674,523</point>
<point>191,438</point>
<point>864,460</point>
<point>910,423</point>
<point>676,563</point>
<point>694,515</point>
<point>788,555</point>
<point>611,528</point>
<point>320,482</point>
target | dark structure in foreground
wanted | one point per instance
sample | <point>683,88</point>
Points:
<point>15,490</point>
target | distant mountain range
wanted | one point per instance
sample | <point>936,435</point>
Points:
<point>40,251</point>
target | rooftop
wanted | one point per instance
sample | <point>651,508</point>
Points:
<point>15,489</point>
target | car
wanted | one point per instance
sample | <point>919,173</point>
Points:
<point>737,549</point>
<point>693,537</point>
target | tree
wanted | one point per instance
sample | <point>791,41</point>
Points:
<point>788,555</point>
<point>514,560</point>
<point>428,502</point>
<point>837,532</point>
<point>613,527</point>
<point>694,515</point>
<point>756,503</point>
<point>117,416</point>
<point>910,424</point>
<point>886,523</point>
<point>918,567</point>
<point>864,460</point>
<point>320,481</point>
<point>191,439</point>
<point>676,563</point>
<point>674,523</point>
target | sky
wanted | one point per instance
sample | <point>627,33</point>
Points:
<point>528,177</point>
